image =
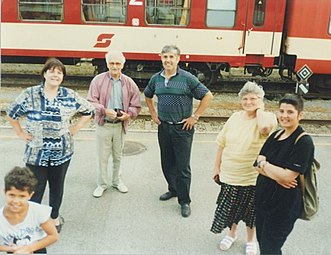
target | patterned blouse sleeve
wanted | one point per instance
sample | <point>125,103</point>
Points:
<point>83,106</point>
<point>20,106</point>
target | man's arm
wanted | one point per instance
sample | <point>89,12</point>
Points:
<point>152,110</point>
<point>135,102</point>
<point>93,96</point>
<point>204,103</point>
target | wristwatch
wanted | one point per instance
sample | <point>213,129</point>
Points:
<point>261,164</point>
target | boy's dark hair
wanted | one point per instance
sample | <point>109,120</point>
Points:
<point>294,100</point>
<point>20,178</point>
<point>52,63</point>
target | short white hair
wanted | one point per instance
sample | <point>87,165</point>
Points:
<point>251,87</point>
<point>115,54</point>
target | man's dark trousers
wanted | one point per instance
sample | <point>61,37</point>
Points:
<point>175,146</point>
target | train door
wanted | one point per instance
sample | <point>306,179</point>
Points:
<point>263,26</point>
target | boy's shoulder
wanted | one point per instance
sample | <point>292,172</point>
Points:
<point>37,207</point>
<point>35,210</point>
<point>39,212</point>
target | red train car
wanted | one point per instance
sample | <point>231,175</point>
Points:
<point>214,35</point>
<point>308,39</point>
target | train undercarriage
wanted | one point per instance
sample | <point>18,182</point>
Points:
<point>207,73</point>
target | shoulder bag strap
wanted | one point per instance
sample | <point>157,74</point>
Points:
<point>299,136</point>
<point>277,135</point>
<point>302,177</point>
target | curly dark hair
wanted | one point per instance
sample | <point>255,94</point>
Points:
<point>21,178</point>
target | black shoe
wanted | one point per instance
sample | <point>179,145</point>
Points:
<point>59,227</point>
<point>167,196</point>
<point>185,210</point>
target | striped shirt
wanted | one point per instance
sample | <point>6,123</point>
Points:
<point>175,98</point>
<point>49,123</point>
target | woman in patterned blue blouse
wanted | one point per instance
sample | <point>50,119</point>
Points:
<point>48,109</point>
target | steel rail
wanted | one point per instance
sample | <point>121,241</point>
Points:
<point>222,119</point>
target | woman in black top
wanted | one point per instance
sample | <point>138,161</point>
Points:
<point>278,197</point>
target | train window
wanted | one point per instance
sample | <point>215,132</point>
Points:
<point>259,13</point>
<point>43,10</point>
<point>107,11</point>
<point>167,12</point>
<point>221,13</point>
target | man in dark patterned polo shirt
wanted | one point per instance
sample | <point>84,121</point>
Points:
<point>175,90</point>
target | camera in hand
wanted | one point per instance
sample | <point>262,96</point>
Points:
<point>119,113</point>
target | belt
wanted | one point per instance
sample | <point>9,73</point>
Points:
<point>112,121</point>
<point>172,123</point>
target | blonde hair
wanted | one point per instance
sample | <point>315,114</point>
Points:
<point>251,87</point>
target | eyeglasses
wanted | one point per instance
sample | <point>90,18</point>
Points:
<point>114,63</point>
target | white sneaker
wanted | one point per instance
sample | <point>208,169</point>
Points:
<point>98,192</point>
<point>121,188</point>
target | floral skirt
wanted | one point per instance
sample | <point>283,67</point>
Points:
<point>234,203</point>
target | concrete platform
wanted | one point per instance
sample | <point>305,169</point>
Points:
<point>138,223</point>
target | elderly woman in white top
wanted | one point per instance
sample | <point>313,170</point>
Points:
<point>239,142</point>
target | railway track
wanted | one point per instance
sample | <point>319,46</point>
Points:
<point>221,119</point>
<point>273,87</point>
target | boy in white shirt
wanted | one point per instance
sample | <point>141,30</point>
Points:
<point>25,227</point>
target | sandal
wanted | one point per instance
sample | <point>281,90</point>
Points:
<point>251,248</point>
<point>227,242</point>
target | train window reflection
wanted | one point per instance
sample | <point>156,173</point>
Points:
<point>43,10</point>
<point>259,13</point>
<point>221,13</point>
<point>107,11</point>
<point>167,12</point>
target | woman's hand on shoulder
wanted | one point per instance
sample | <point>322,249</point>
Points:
<point>260,106</point>
<point>267,122</point>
